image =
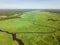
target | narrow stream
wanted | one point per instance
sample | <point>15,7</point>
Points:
<point>20,42</point>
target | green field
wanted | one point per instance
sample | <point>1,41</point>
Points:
<point>33,21</point>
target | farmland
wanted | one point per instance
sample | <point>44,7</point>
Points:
<point>32,27</point>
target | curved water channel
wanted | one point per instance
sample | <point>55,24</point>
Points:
<point>20,42</point>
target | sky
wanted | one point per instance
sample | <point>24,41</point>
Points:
<point>29,4</point>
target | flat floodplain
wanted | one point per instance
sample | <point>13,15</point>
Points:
<point>33,28</point>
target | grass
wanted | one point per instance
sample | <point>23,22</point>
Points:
<point>34,21</point>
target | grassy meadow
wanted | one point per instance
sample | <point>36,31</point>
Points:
<point>30,21</point>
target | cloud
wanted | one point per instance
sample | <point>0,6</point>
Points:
<point>28,6</point>
<point>37,4</point>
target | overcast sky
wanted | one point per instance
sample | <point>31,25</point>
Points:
<point>29,4</point>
